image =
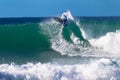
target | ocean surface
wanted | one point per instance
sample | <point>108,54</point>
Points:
<point>88,48</point>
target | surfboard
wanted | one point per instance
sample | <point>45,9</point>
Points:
<point>58,19</point>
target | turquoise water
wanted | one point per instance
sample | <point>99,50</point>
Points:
<point>43,49</point>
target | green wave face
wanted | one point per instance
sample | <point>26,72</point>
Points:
<point>22,37</point>
<point>72,28</point>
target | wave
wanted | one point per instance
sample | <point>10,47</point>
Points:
<point>100,69</point>
<point>82,36</point>
<point>65,39</point>
<point>47,50</point>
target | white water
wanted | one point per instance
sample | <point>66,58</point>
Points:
<point>109,43</point>
<point>103,69</point>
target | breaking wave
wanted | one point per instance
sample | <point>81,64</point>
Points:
<point>100,69</point>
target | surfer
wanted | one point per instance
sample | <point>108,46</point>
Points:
<point>65,20</point>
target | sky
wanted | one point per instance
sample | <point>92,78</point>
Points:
<point>45,8</point>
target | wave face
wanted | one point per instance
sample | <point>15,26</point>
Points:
<point>23,37</point>
<point>43,49</point>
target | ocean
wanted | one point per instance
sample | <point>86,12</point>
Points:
<point>40,48</point>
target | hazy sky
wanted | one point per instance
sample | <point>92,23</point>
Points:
<point>39,8</point>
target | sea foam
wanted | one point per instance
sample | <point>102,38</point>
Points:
<point>109,43</point>
<point>104,69</point>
